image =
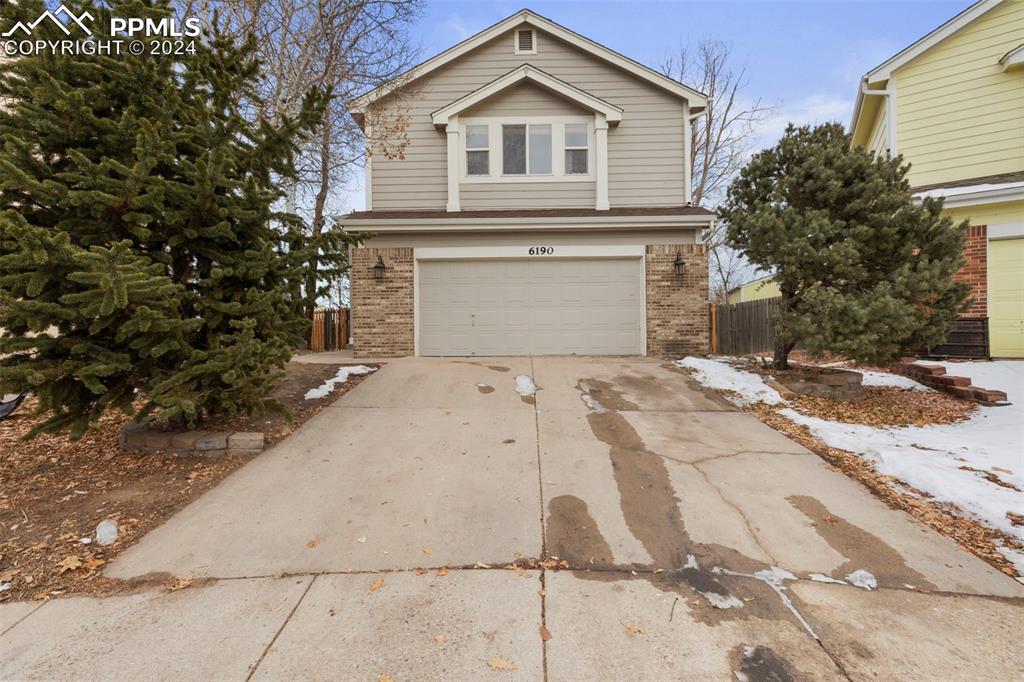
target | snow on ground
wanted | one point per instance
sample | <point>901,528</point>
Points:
<point>888,379</point>
<point>525,386</point>
<point>341,377</point>
<point>722,376</point>
<point>928,458</point>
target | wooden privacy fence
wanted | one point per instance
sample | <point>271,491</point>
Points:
<point>743,328</point>
<point>330,329</point>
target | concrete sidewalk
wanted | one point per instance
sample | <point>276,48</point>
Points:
<point>655,533</point>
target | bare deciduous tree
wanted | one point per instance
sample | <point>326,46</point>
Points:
<point>723,139</point>
<point>344,46</point>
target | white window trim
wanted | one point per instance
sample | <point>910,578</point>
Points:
<point>467,149</point>
<point>494,137</point>
<point>566,147</point>
<point>515,41</point>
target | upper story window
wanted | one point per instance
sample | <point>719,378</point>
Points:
<point>526,149</point>
<point>525,41</point>
<point>577,148</point>
<point>529,148</point>
<point>478,153</point>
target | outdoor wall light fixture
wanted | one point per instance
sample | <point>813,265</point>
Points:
<point>379,268</point>
<point>679,264</point>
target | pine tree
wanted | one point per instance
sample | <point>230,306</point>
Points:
<point>137,254</point>
<point>864,272</point>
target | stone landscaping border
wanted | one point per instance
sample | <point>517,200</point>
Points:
<point>136,436</point>
<point>934,376</point>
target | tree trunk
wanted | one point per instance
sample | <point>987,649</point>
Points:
<point>783,346</point>
<point>319,218</point>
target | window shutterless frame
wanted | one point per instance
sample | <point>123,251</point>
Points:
<point>478,153</point>
<point>578,129</point>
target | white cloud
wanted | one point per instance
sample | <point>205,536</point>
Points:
<point>809,110</point>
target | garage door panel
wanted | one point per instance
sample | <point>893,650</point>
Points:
<point>523,307</point>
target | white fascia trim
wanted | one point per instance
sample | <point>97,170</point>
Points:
<point>697,99</point>
<point>884,70</point>
<point>551,224</point>
<point>976,195</point>
<point>530,73</point>
<point>1006,231</point>
<point>522,251</point>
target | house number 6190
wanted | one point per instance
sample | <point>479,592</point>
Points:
<point>541,250</point>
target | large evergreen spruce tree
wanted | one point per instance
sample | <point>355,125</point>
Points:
<point>864,271</point>
<point>138,258</point>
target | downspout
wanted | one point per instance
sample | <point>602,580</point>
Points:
<point>889,93</point>
<point>687,149</point>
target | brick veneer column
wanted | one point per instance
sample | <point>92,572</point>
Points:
<point>382,311</point>
<point>677,307</point>
<point>975,270</point>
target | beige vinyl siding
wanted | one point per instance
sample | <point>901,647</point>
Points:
<point>525,99</point>
<point>959,115</point>
<point>488,196</point>
<point>645,151</point>
<point>989,214</point>
<point>681,235</point>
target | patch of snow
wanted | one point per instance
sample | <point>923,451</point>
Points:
<point>822,578</point>
<point>722,376</point>
<point>741,676</point>
<point>862,578</point>
<point>1001,375</point>
<point>4,587</point>
<point>525,386</point>
<point>589,401</point>
<point>720,601</point>
<point>341,377</point>
<point>888,379</point>
<point>774,575</point>
<point>1015,557</point>
<point>691,562</point>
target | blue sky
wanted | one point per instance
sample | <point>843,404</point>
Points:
<point>805,58</point>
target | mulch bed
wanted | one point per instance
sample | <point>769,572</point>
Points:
<point>885,406</point>
<point>56,491</point>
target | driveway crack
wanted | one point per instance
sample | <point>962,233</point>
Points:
<point>277,634</point>
<point>746,521</point>
<point>543,534</point>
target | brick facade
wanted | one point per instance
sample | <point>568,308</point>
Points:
<point>677,307</point>
<point>382,310</point>
<point>975,270</point>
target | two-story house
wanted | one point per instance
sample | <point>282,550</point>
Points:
<point>952,104</point>
<point>539,204</point>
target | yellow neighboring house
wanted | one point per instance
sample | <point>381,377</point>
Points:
<point>764,287</point>
<point>952,104</point>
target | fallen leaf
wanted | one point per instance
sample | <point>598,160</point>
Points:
<point>442,571</point>
<point>70,563</point>
<point>313,542</point>
<point>6,576</point>
<point>180,584</point>
<point>421,571</point>
<point>545,634</point>
<point>502,664</point>
<point>376,584</point>
<point>634,630</point>
<point>385,678</point>
<point>439,639</point>
<point>428,551</point>
<point>93,563</point>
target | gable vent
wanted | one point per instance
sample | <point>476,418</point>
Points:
<point>525,41</point>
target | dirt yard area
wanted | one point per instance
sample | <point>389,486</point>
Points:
<point>56,491</point>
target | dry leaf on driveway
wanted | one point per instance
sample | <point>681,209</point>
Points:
<point>442,571</point>
<point>545,634</point>
<point>439,639</point>
<point>634,630</point>
<point>180,584</point>
<point>70,563</point>
<point>313,542</point>
<point>376,584</point>
<point>502,664</point>
<point>385,678</point>
<point>428,551</point>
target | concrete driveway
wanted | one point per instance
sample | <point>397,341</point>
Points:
<point>621,524</point>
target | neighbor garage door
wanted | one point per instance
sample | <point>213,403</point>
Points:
<point>1006,298</point>
<point>531,307</point>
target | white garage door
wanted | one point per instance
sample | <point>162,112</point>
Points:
<point>531,307</point>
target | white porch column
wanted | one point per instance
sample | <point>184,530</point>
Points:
<point>368,169</point>
<point>452,133</point>
<point>687,147</point>
<point>601,159</point>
